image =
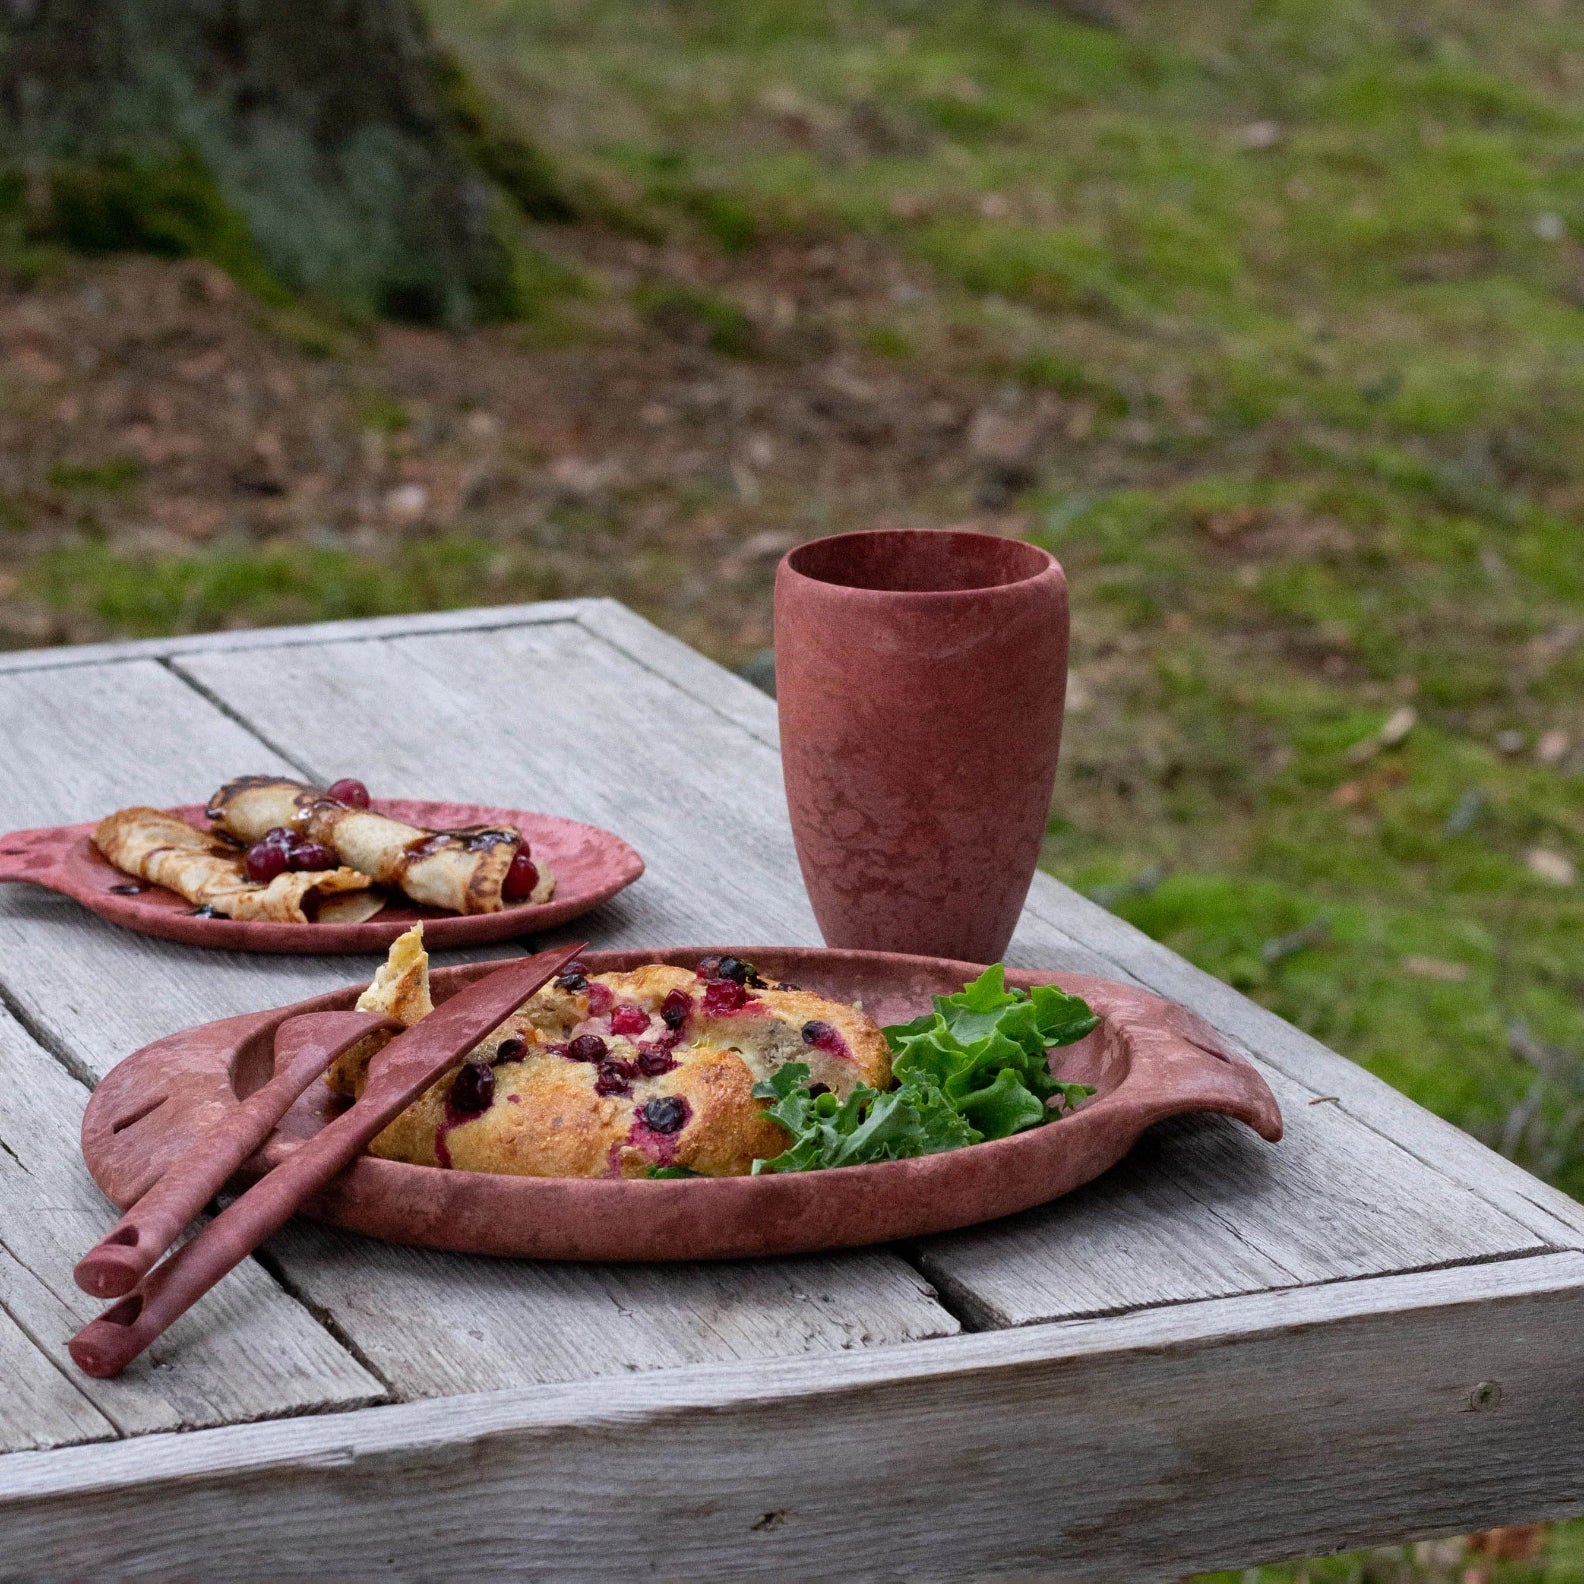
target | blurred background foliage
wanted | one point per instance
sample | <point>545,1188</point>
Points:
<point>1266,317</point>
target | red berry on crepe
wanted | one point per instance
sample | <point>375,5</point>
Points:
<point>521,878</point>
<point>264,860</point>
<point>311,855</point>
<point>353,793</point>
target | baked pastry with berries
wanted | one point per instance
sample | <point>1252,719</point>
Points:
<point>614,1074</point>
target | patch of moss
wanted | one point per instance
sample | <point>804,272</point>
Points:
<point>510,161</point>
<point>172,208</point>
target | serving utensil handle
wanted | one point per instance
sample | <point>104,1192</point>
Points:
<point>400,1073</point>
<point>304,1047</point>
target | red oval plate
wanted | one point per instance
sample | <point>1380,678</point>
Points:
<point>591,866</point>
<point>1148,1060</point>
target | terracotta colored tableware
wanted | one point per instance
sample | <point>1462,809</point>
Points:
<point>304,1047</point>
<point>398,1075</point>
<point>920,676</point>
<point>1148,1060</point>
<point>591,866</point>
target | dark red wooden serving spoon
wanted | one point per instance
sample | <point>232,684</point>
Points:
<point>304,1047</point>
<point>398,1075</point>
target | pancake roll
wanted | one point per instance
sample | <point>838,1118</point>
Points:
<point>460,870</point>
<point>167,851</point>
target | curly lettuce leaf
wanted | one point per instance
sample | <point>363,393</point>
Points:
<point>973,1069</point>
<point>869,1125</point>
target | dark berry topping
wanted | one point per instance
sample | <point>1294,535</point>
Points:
<point>346,790</point>
<point>131,888</point>
<point>204,912</point>
<point>612,1080</point>
<point>654,1060</point>
<point>474,1089</point>
<point>815,1031</point>
<point>588,1047</point>
<point>508,1050</point>
<point>723,995</point>
<point>629,1020</point>
<point>665,1115</point>
<point>676,1009</point>
<point>786,984</point>
<point>600,998</point>
<point>709,968</point>
<point>521,878</point>
<point>733,968</point>
<point>571,981</point>
<point>816,1090</point>
<point>311,855</point>
<point>264,860</point>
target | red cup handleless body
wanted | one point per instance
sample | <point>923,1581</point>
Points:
<point>920,677</point>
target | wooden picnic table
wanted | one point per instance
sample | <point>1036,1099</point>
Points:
<point>1221,1352</point>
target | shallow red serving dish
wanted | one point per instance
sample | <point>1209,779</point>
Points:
<point>1149,1060</point>
<point>591,866</point>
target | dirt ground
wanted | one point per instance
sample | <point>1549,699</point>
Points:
<point>645,442</point>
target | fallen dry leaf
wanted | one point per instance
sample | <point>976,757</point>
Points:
<point>1551,866</point>
<point>1553,747</point>
<point>1435,968</point>
<point>1519,1543</point>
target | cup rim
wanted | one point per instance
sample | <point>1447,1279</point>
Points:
<point>1048,566</point>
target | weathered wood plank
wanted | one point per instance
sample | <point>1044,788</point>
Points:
<point>1213,1434</point>
<point>1203,1209</point>
<point>39,1407</point>
<point>412,1313</point>
<point>658,651</point>
<point>471,1324</point>
<point>253,1351</point>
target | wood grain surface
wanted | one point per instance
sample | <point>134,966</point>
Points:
<point>426,1324</point>
<point>1222,1352</point>
<point>255,1352</point>
<point>1173,1439</point>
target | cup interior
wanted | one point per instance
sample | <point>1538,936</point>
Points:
<point>919,560</point>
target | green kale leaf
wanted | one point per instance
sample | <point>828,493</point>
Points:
<point>973,1069</point>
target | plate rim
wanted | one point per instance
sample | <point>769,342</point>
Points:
<point>1228,1083</point>
<point>49,855</point>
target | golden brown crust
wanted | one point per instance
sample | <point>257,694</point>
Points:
<point>548,1117</point>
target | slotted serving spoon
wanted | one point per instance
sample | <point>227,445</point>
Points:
<point>397,1076</point>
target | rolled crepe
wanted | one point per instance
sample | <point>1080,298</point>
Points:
<point>462,870</point>
<point>167,851</point>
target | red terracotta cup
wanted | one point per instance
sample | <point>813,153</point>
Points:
<point>920,675</point>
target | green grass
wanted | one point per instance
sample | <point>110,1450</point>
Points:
<point>118,473</point>
<point>271,586</point>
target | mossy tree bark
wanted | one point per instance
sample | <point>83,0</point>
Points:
<point>324,145</point>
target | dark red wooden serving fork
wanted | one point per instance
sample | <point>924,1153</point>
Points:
<point>397,1076</point>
